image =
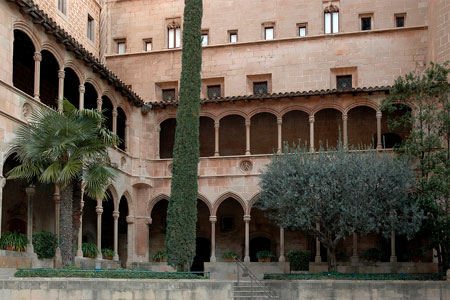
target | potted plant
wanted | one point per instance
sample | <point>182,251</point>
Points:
<point>89,250</point>
<point>160,256</point>
<point>299,260</point>
<point>107,253</point>
<point>13,241</point>
<point>264,256</point>
<point>373,255</point>
<point>229,256</point>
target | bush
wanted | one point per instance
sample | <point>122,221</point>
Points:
<point>44,244</point>
<point>264,254</point>
<point>89,250</point>
<point>373,254</point>
<point>107,253</point>
<point>159,256</point>
<point>14,241</point>
<point>230,255</point>
<point>299,260</point>
<point>356,276</point>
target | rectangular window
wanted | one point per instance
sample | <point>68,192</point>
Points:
<point>366,23</point>
<point>174,37</point>
<point>260,87</point>
<point>302,29</point>
<point>268,33</point>
<point>213,91</point>
<point>233,36</point>
<point>148,46</point>
<point>400,20</point>
<point>168,94</point>
<point>204,39</point>
<point>62,6</point>
<point>90,28</point>
<point>344,82</point>
<point>121,47</point>
<point>332,22</point>
<point>335,22</point>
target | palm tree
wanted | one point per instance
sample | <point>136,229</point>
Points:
<point>68,150</point>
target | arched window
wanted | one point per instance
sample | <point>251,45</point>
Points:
<point>72,87</point>
<point>23,62</point>
<point>121,124</point>
<point>107,109</point>
<point>49,79</point>
<point>331,19</point>
<point>167,138</point>
<point>90,96</point>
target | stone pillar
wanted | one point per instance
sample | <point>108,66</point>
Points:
<point>130,245</point>
<point>114,120</point>
<point>115,215</point>
<point>99,211</point>
<point>99,104</point>
<point>247,219</point>
<point>2,185</point>
<point>318,258</point>
<point>355,258</point>
<point>247,137</point>
<point>311,133</point>
<point>282,258</point>
<point>61,75</point>
<point>279,123</point>
<point>81,89</point>
<point>213,220</point>
<point>30,191</point>
<point>379,142</point>
<point>37,74</point>
<point>344,130</point>
<point>80,231</point>
<point>216,138</point>
<point>126,138</point>
<point>393,255</point>
<point>57,201</point>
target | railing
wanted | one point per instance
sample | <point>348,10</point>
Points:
<point>254,281</point>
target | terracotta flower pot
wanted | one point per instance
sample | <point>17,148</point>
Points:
<point>267,259</point>
<point>228,259</point>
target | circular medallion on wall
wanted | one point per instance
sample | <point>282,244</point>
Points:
<point>27,110</point>
<point>169,168</point>
<point>246,166</point>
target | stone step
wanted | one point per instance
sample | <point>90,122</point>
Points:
<point>6,273</point>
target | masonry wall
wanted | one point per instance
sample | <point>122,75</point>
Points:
<point>439,31</point>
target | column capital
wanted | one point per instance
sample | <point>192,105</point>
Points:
<point>379,114</point>
<point>216,124</point>
<point>2,181</point>
<point>61,74</point>
<point>148,221</point>
<point>82,88</point>
<point>99,102</point>
<point>130,219</point>
<point>99,210</point>
<point>344,117</point>
<point>247,218</point>
<point>213,219</point>
<point>114,112</point>
<point>279,121</point>
<point>115,215</point>
<point>30,190</point>
<point>247,123</point>
<point>311,119</point>
<point>37,56</point>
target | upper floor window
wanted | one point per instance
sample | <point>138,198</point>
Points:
<point>214,91</point>
<point>62,6</point>
<point>331,19</point>
<point>205,38</point>
<point>366,23</point>
<point>302,29</point>
<point>148,45</point>
<point>269,33</point>
<point>121,46</point>
<point>400,20</point>
<point>260,87</point>
<point>174,35</point>
<point>344,82</point>
<point>168,94</point>
<point>233,36</point>
<point>90,28</point>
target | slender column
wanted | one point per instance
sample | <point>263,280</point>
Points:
<point>279,123</point>
<point>114,119</point>
<point>57,201</point>
<point>247,137</point>
<point>99,104</point>
<point>158,144</point>
<point>355,258</point>
<point>82,89</point>
<point>311,133</point>
<point>393,255</point>
<point>379,142</point>
<point>30,191</point>
<point>37,74</point>
<point>130,245</point>
<point>282,258</point>
<point>126,137</point>
<point>115,215</point>
<point>80,231</point>
<point>213,220</point>
<point>318,258</point>
<point>216,138</point>
<point>61,75</point>
<point>247,219</point>
<point>344,130</point>
<point>2,185</point>
<point>99,211</point>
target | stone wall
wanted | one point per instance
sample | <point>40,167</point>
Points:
<point>439,31</point>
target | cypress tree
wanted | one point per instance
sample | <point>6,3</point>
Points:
<point>182,210</point>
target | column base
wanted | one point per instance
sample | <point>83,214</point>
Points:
<point>247,259</point>
<point>116,257</point>
<point>58,258</point>
<point>354,260</point>
<point>79,253</point>
<point>216,154</point>
<point>212,259</point>
<point>393,259</point>
<point>282,258</point>
<point>318,259</point>
<point>247,152</point>
<point>30,249</point>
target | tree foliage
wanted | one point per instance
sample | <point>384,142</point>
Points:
<point>428,147</point>
<point>182,210</point>
<point>332,194</point>
<point>65,149</point>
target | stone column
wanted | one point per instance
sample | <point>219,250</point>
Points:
<point>247,219</point>
<point>99,211</point>
<point>114,120</point>
<point>216,138</point>
<point>130,245</point>
<point>247,137</point>
<point>80,231</point>
<point>99,104</point>
<point>379,142</point>
<point>213,220</point>
<point>81,89</point>
<point>282,258</point>
<point>37,74</point>
<point>318,258</point>
<point>61,75</point>
<point>158,144</point>
<point>393,255</point>
<point>57,201</point>
<point>344,130</point>
<point>311,133</point>
<point>355,258</point>
<point>115,215</point>
<point>30,191</point>
<point>126,139</point>
<point>2,185</point>
<point>279,124</point>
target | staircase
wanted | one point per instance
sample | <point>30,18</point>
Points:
<point>252,288</point>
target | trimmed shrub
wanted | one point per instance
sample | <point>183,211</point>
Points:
<point>14,241</point>
<point>44,244</point>
<point>89,250</point>
<point>356,276</point>
<point>230,255</point>
<point>264,254</point>
<point>107,253</point>
<point>299,260</point>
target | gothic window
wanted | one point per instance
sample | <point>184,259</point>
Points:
<point>174,35</point>
<point>331,15</point>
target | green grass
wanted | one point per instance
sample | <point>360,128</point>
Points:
<point>120,273</point>
<point>356,276</point>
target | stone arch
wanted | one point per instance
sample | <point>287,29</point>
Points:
<point>263,132</point>
<point>323,106</point>
<point>72,84</point>
<point>111,97</point>
<point>114,195</point>
<point>94,84</point>
<point>206,201</point>
<point>232,134</point>
<point>209,115</point>
<point>167,137</point>
<point>296,107</point>
<point>225,196</point>
<point>55,52</point>
<point>129,200</point>
<point>264,110</point>
<point>155,200</point>
<point>232,112</point>
<point>122,120</point>
<point>125,110</point>
<point>76,68</point>
<point>23,64</point>
<point>361,126</point>
<point>250,203</point>
<point>166,117</point>
<point>28,30</point>
<point>327,127</point>
<point>49,81</point>
<point>206,136</point>
<point>361,102</point>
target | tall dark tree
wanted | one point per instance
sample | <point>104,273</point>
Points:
<point>182,210</point>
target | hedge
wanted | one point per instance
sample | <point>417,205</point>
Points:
<point>356,276</point>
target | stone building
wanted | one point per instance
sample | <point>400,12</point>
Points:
<point>272,72</point>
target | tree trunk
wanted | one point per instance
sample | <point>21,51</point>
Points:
<point>331,259</point>
<point>76,211</point>
<point>65,227</point>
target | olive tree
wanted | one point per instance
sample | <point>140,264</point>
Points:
<point>332,194</point>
